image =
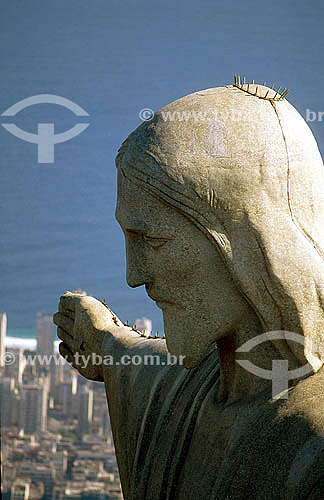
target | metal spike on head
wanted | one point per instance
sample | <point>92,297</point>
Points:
<point>258,91</point>
<point>115,320</point>
<point>277,91</point>
<point>284,94</point>
<point>106,306</point>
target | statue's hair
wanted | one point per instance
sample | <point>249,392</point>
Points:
<point>274,249</point>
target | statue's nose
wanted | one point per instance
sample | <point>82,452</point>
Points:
<point>137,265</point>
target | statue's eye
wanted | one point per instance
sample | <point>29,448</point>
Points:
<point>154,242</point>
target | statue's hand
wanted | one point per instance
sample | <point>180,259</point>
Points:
<point>83,323</point>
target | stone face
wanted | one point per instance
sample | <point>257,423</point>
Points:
<point>178,266</point>
<point>221,201</point>
<point>261,193</point>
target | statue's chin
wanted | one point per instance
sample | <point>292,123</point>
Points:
<point>189,351</point>
<point>188,361</point>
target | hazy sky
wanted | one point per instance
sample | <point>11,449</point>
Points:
<point>114,58</point>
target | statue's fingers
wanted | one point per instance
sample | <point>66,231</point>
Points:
<point>67,302</point>
<point>64,322</point>
<point>68,313</point>
<point>66,353</point>
<point>66,337</point>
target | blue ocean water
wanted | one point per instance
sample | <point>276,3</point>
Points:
<point>113,59</point>
<point>22,333</point>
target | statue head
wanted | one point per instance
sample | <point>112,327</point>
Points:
<point>247,174</point>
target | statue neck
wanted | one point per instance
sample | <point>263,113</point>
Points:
<point>237,383</point>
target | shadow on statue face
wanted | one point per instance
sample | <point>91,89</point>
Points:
<point>182,272</point>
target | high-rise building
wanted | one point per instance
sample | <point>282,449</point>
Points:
<point>65,397</point>
<point>46,334</point>
<point>7,386</point>
<point>33,408</point>
<point>60,461</point>
<point>85,397</point>
<point>16,369</point>
<point>3,333</point>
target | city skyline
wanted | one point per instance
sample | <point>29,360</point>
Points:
<point>56,436</point>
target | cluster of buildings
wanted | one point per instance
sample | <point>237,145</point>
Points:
<point>56,440</point>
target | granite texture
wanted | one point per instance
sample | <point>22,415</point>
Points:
<point>221,201</point>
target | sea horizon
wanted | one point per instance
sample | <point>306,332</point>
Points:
<point>23,333</point>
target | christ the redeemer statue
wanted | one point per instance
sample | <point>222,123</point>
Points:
<point>223,217</point>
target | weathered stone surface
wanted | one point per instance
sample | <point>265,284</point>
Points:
<point>223,219</point>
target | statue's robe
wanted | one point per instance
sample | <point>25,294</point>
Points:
<point>175,441</point>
